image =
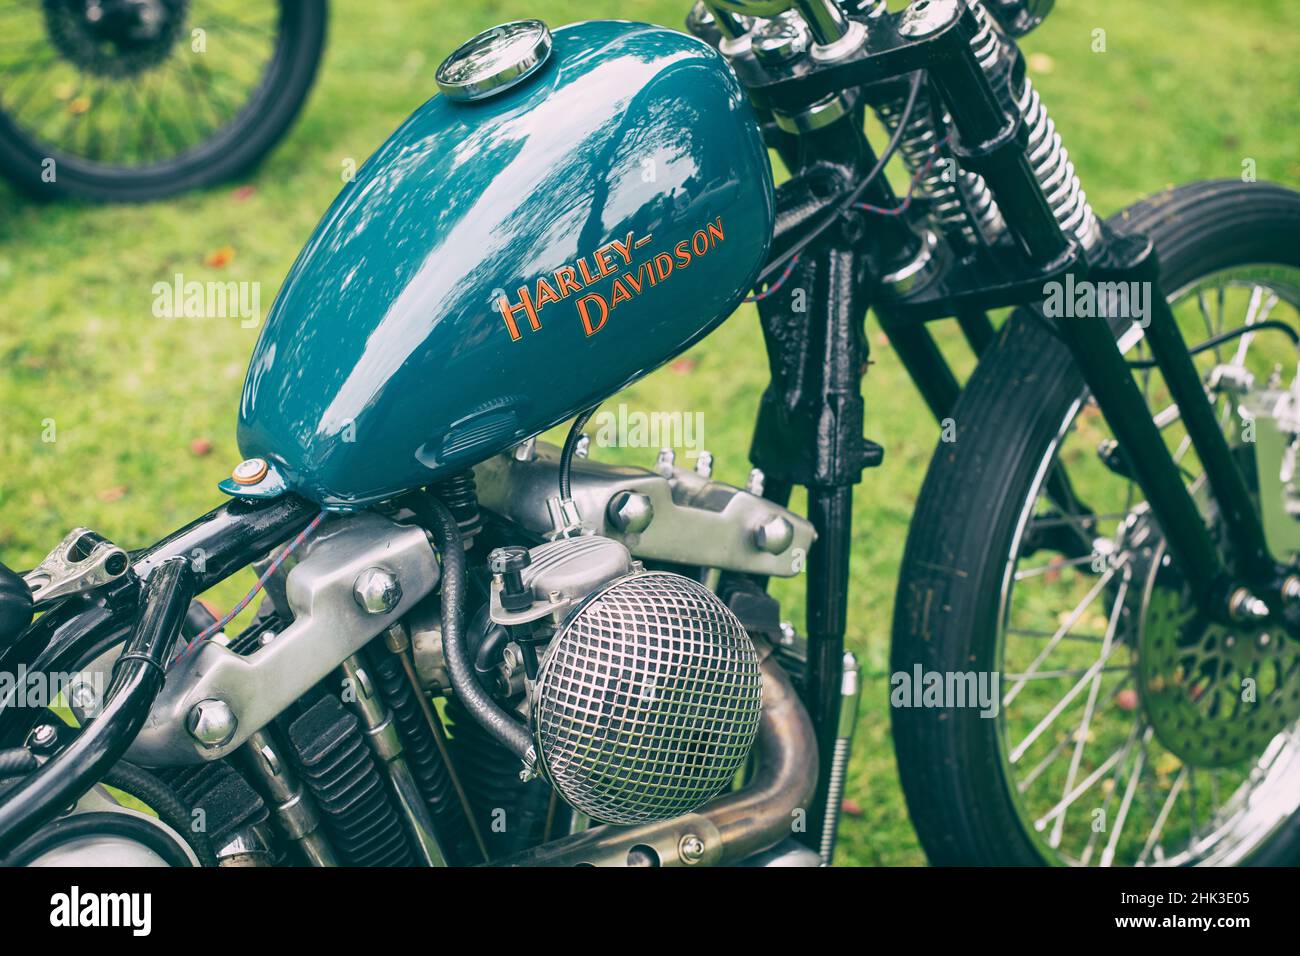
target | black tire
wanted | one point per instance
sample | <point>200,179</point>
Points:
<point>948,602</point>
<point>232,150</point>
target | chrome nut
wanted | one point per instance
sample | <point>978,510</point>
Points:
<point>631,512</point>
<point>774,535</point>
<point>377,591</point>
<point>925,17</point>
<point>212,723</point>
<point>691,849</point>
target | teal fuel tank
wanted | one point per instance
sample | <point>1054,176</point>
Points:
<point>515,252</point>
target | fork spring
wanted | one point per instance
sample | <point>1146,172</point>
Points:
<point>1048,157</point>
<point>961,208</point>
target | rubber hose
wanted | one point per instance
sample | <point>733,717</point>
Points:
<point>16,761</point>
<point>495,720</point>
<point>570,446</point>
<point>160,798</point>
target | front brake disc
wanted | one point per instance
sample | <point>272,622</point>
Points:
<point>1215,694</point>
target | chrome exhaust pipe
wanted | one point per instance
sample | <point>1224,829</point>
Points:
<point>730,828</point>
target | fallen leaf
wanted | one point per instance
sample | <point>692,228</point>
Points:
<point>116,493</point>
<point>1127,699</point>
<point>683,366</point>
<point>851,808</point>
<point>242,193</point>
<point>78,106</point>
<point>200,447</point>
<point>1041,63</point>
<point>219,258</point>
<point>65,91</point>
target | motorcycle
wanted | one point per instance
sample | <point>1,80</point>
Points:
<point>135,100</point>
<point>473,646</point>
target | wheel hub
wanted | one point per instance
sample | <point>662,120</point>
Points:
<point>115,38</point>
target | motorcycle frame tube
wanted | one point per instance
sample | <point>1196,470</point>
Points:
<point>137,679</point>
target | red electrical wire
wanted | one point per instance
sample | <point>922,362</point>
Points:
<point>217,626</point>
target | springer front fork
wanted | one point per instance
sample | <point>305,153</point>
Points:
<point>998,213</point>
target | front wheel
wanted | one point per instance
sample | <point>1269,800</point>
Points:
<point>1124,729</point>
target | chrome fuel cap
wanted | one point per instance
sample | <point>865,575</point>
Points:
<point>495,60</point>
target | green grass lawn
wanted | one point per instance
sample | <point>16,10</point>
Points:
<point>142,409</point>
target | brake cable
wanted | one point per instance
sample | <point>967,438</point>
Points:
<point>856,193</point>
<point>1217,340</point>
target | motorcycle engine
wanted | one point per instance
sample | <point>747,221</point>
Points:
<point>643,687</point>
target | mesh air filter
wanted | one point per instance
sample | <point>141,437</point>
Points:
<point>648,701</point>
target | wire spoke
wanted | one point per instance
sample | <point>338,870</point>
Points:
<point>1088,781</point>
<point>1163,816</point>
<point>1029,632</point>
<point>1067,672</point>
<point>1060,705</point>
<point>1057,566</point>
<point>1081,734</point>
<point>1071,619</point>
<point>1139,764</point>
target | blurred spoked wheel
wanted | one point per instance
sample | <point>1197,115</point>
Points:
<point>1129,731</point>
<point>131,100</point>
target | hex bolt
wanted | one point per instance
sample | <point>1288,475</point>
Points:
<point>780,39</point>
<point>212,723</point>
<point>44,736</point>
<point>757,482</point>
<point>377,591</point>
<point>704,466</point>
<point>525,451</point>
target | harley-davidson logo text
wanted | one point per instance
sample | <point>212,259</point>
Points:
<point>596,296</point>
